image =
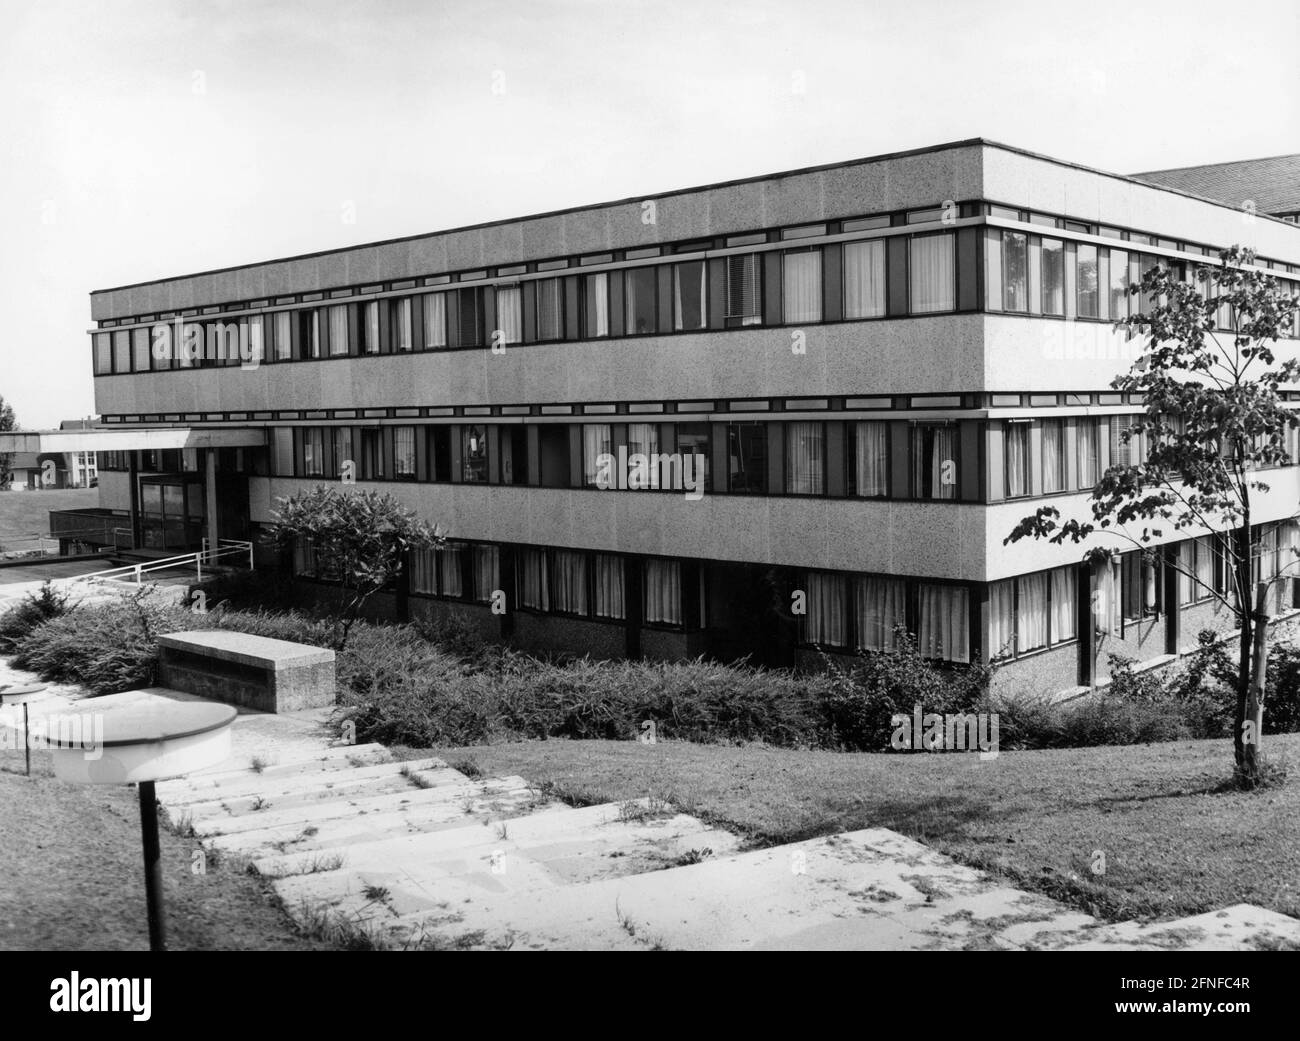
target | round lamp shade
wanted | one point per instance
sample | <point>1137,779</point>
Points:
<point>139,742</point>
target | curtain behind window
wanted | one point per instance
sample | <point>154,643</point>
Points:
<point>534,590</point>
<point>1017,449</point>
<point>1031,615</point>
<point>487,572</point>
<point>663,592</point>
<point>871,458</point>
<point>449,569</point>
<point>643,438</point>
<point>881,607</point>
<point>802,274</point>
<point>550,309</point>
<point>864,279</point>
<point>943,615</point>
<point>932,273</point>
<point>934,459</point>
<point>1087,442</point>
<point>598,304</point>
<point>371,325</point>
<point>423,571</point>
<point>596,441</point>
<point>1065,599</point>
<point>570,582</point>
<point>1002,621</point>
<point>688,295</point>
<point>282,329</point>
<point>510,321</point>
<point>804,472</point>
<point>826,620</point>
<point>1053,460</point>
<point>609,586</point>
<point>435,321</point>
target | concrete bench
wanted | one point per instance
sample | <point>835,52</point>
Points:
<point>253,671</point>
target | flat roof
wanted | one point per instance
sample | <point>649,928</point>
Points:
<point>113,439</point>
<point>884,157</point>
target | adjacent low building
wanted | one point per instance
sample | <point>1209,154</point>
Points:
<point>772,417</point>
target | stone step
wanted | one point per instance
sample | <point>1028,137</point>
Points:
<point>454,790</point>
<point>321,778</point>
<point>864,890</point>
<point>387,816</point>
<point>344,757</point>
<point>422,873</point>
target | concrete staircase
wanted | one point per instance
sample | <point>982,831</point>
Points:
<point>417,855</point>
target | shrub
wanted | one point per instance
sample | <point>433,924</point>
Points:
<point>35,609</point>
<point>864,696</point>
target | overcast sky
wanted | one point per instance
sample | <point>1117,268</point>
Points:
<point>149,139</point>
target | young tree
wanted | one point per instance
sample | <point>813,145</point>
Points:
<point>359,539</point>
<point>1214,416</point>
<point>8,423</point>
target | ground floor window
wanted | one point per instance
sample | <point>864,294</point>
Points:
<point>663,592</point>
<point>943,622</point>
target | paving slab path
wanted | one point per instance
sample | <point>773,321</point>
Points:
<point>417,855</point>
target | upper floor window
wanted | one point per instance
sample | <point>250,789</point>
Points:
<point>1086,280</point>
<point>744,290</point>
<point>868,458</point>
<point>805,450</point>
<point>1015,271</point>
<point>510,320</point>
<point>1053,280</point>
<point>1053,455</point>
<point>550,309</point>
<point>597,441</point>
<point>595,304</point>
<point>435,321</point>
<point>640,301</point>
<point>121,351</point>
<point>399,323</point>
<point>694,444</point>
<point>864,279</point>
<point>934,461</point>
<point>282,333</point>
<point>802,282</point>
<point>1088,451</point>
<point>140,348</point>
<point>747,451</point>
<point>338,319</point>
<point>103,354</point>
<point>689,295</point>
<point>404,451</point>
<point>474,453</point>
<point>1119,294</point>
<point>932,273</point>
<point>1016,437</point>
<point>469,317</point>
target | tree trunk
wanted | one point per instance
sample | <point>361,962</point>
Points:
<point>1253,723</point>
<point>1245,616</point>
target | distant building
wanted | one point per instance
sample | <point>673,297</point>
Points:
<point>51,470</point>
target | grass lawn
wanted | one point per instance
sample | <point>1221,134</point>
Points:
<point>1175,840</point>
<point>73,875</point>
<point>24,514</point>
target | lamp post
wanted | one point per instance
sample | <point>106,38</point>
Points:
<point>141,741</point>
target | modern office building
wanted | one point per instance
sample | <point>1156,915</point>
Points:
<point>869,372</point>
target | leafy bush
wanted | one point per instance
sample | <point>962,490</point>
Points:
<point>862,697</point>
<point>35,609</point>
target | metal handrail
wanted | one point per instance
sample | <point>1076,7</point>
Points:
<point>136,571</point>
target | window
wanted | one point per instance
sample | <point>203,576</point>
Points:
<point>550,310</point>
<point>1016,436</point>
<point>282,328</point>
<point>689,295</point>
<point>103,354</point>
<point>1087,446</point>
<point>609,586</point>
<point>1139,585</point>
<point>487,572</point>
<point>469,317</point>
<point>1053,261</point>
<point>1085,274</point>
<point>338,318</point>
<point>534,589</point>
<point>695,447</point>
<point>805,471</point>
<point>880,610</point>
<point>510,319</point>
<point>640,301</point>
<point>404,452</point>
<point>868,459</point>
<point>1053,455</point>
<point>372,456</point>
<point>399,323</point>
<point>943,622</point>
<point>438,443</point>
<point>1065,604</point>
<point>864,279</point>
<point>569,582</point>
<point>121,351</point>
<point>1119,294</point>
<point>1032,611</point>
<point>140,349</point>
<point>309,332</point>
<point>826,622</point>
<point>931,272</point>
<point>595,304</point>
<point>1015,271</point>
<point>473,454</point>
<point>802,280</point>
<point>450,569</point>
<point>643,439</point>
<point>313,451</point>
<point>597,441</point>
<point>424,571</point>
<point>747,451</point>
<point>663,592</point>
<point>744,290</point>
<point>435,321</point>
<point>1125,443</point>
<point>934,461</point>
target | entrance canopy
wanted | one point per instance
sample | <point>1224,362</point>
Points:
<point>108,439</point>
